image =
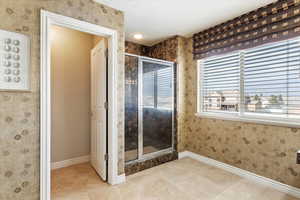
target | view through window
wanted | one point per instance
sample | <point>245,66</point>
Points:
<point>264,81</point>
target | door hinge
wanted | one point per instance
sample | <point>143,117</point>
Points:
<point>106,157</point>
<point>106,105</point>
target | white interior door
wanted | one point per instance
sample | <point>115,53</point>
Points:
<point>98,108</point>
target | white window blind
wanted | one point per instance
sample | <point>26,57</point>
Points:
<point>261,82</point>
<point>271,79</point>
<point>164,88</point>
<point>220,84</point>
<point>149,89</point>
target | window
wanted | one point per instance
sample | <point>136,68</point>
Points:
<point>220,85</point>
<point>258,84</point>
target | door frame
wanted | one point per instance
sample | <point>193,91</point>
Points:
<point>48,19</point>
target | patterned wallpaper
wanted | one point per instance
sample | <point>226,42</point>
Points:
<point>266,150</point>
<point>19,112</point>
<point>165,50</point>
<point>182,68</point>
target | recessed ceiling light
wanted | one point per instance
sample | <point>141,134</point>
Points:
<point>138,36</point>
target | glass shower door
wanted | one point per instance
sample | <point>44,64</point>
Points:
<point>131,108</point>
<point>156,107</point>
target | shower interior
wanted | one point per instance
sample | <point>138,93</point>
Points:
<point>149,107</point>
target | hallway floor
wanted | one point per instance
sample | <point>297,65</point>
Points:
<point>184,179</point>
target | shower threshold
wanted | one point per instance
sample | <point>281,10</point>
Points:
<point>150,156</point>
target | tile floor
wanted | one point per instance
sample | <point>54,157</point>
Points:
<point>184,179</point>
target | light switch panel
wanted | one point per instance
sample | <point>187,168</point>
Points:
<point>14,61</point>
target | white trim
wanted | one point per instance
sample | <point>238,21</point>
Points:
<point>48,19</point>
<point>242,82</point>
<point>199,83</point>
<point>243,173</point>
<point>249,119</point>
<point>119,179</point>
<point>69,162</point>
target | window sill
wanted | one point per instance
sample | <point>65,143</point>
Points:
<point>256,119</point>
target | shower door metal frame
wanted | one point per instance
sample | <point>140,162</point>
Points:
<point>141,156</point>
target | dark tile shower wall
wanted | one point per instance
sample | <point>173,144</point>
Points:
<point>158,129</point>
<point>139,166</point>
<point>136,49</point>
<point>166,50</point>
<point>131,103</point>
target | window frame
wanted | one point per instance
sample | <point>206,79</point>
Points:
<point>241,115</point>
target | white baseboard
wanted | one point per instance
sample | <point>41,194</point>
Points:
<point>243,173</point>
<point>69,162</point>
<point>119,179</point>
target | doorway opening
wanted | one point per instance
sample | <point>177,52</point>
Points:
<point>103,94</point>
<point>79,111</point>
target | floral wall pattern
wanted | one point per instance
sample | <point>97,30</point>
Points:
<point>165,50</point>
<point>19,112</point>
<point>182,67</point>
<point>266,150</point>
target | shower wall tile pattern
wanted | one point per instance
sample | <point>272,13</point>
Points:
<point>165,50</point>
<point>139,166</point>
<point>131,107</point>
<point>19,112</point>
<point>172,49</point>
<point>134,48</point>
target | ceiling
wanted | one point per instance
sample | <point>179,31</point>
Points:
<point>160,19</point>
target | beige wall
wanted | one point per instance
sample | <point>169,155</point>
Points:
<point>20,112</point>
<point>70,62</point>
<point>266,150</point>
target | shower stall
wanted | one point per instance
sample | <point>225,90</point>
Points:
<point>149,107</point>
